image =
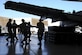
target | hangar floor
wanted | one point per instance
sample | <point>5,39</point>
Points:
<point>47,48</point>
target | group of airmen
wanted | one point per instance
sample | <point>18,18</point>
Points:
<point>23,28</point>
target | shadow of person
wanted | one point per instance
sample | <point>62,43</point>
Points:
<point>39,52</point>
<point>40,46</point>
<point>26,49</point>
<point>11,49</point>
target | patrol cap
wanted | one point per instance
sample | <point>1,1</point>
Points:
<point>10,19</point>
<point>23,20</point>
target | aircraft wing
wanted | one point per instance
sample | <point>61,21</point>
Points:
<point>42,11</point>
<point>33,9</point>
<point>74,17</point>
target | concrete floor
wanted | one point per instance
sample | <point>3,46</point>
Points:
<point>47,48</point>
